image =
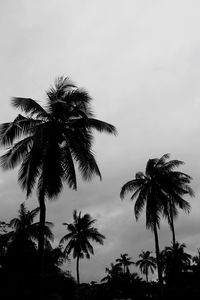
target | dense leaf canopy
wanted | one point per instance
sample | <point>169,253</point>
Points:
<point>47,141</point>
<point>79,235</point>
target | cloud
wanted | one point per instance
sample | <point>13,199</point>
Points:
<point>140,62</point>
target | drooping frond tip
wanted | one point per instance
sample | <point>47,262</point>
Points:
<point>62,82</point>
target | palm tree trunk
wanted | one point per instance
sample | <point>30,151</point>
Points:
<point>77,270</point>
<point>41,240</point>
<point>172,225</point>
<point>160,280</point>
<point>146,272</point>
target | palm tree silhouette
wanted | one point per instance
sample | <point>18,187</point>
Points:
<point>79,235</point>
<point>124,261</point>
<point>19,243</point>
<point>25,230</point>
<point>146,263</point>
<point>48,141</point>
<point>175,261</point>
<point>175,184</point>
<point>147,188</point>
<point>196,262</point>
<point>114,273</point>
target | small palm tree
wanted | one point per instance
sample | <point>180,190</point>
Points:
<point>196,261</point>
<point>114,273</point>
<point>124,261</point>
<point>79,235</point>
<point>47,142</point>
<point>146,263</point>
<point>25,229</point>
<point>175,262</point>
<point>19,243</point>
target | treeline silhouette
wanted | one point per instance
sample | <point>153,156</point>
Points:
<point>47,142</point>
<point>19,269</point>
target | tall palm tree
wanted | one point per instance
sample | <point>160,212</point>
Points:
<point>79,235</point>
<point>161,188</point>
<point>148,189</point>
<point>125,261</point>
<point>48,141</point>
<point>175,184</point>
<point>146,263</point>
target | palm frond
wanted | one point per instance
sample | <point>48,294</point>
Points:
<point>14,223</point>
<point>101,126</point>
<point>30,107</point>
<point>150,167</point>
<point>16,154</point>
<point>62,84</point>
<point>130,186</point>
<point>30,169</point>
<point>170,165</point>
<point>161,161</point>
<point>85,159</point>
<point>51,182</point>
<point>34,213</point>
<point>140,202</point>
<point>21,126</point>
<point>66,237</point>
<point>69,173</point>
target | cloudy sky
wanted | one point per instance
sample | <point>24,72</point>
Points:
<point>140,62</point>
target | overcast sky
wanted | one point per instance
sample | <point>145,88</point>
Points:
<point>140,62</point>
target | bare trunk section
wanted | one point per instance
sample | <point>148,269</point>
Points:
<point>146,273</point>
<point>160,280</point>
<point>77,270</point>
<point>172,225</point>
<point>41,242</point>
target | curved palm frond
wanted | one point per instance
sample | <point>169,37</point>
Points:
<point>85,159</point>
<point>14,156</point>
<point>21,126</point>
<point>30,107</point>
<point>130,186</point>
<point>101,126</point>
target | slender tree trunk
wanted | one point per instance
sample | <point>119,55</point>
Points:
<point>146,272</point>
<point>41,241</point>
<point>160,280</point>
<point>172,225</point>
<point>77,270</point>
<point>175,267</point>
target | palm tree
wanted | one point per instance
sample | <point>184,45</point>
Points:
<point>79,235</point>
<point>175,184</point>
<point>196,261</point>
<point>146,263</point>
<point>25,230</point>
<point>175,261</point>
<point>124,261</point>
<point>47,142</point>
<point>114,273</point>
<point>19,244</point>
<point>147,189</point>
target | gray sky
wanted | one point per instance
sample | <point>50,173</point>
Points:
<point>140,61</point>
